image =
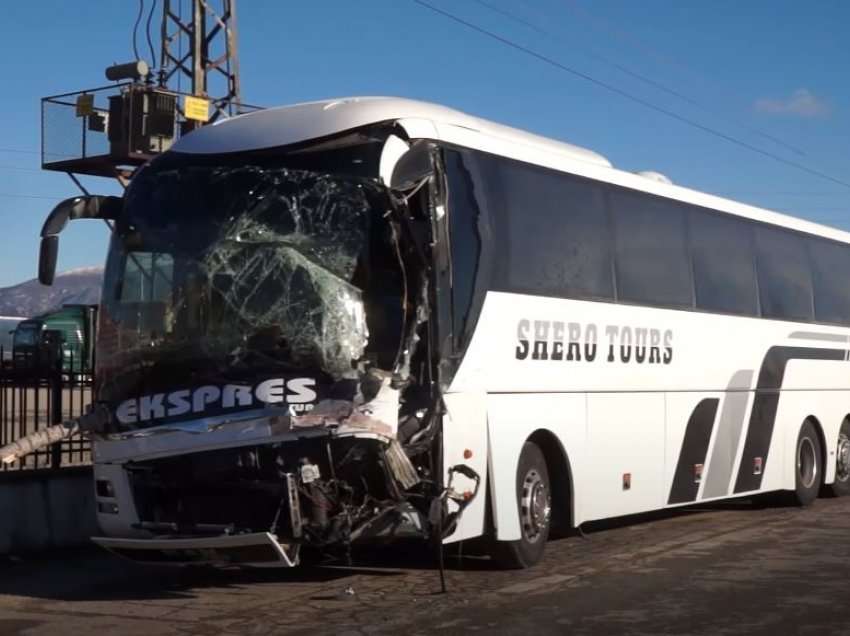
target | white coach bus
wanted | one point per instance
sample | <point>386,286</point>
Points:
<point>369,318</point>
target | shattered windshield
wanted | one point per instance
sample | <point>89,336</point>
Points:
<point>222,274</point>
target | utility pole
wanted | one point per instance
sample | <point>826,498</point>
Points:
<point>111,130</point>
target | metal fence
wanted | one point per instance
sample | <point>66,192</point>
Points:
<point>35,393</point>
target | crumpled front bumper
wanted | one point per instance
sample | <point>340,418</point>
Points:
<point>259,549</point>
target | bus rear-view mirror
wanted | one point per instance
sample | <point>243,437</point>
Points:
<point>47,255</point>
<point>84,207</point>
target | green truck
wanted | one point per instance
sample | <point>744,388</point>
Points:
<point>66,334</point>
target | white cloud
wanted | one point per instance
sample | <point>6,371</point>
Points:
<point>801,103</point>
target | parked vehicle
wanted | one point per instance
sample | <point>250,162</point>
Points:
<point>8,324</point>
<point>66,334</point>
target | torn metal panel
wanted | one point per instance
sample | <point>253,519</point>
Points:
<point>412,338</point>
<point>380,414</point>
<point>400,465</point>
<point>259,549</point>
<point>325,413</point>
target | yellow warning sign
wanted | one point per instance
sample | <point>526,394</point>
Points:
<point>85,105</point>
<point>196,108</point>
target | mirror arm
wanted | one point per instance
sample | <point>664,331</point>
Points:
<point>86,207</point>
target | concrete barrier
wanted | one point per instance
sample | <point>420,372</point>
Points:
<point>45,510</point>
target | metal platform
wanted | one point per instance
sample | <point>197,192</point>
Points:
<point>112,130</point>
<point>79,132</point>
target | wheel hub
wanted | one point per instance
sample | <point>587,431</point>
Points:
<point>536,506</point>
<point>842,469</point>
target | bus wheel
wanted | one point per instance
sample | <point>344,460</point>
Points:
<point>808,471</point>
<point>534,501</point>
<point>841,486</point>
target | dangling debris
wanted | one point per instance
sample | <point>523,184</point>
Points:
<point>95,421</point>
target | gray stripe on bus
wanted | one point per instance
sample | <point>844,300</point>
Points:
<point>728,436</point>
<point>826,337</point>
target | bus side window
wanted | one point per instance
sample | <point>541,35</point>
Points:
<point>724,269</point>
<point>785,280</point>
<point>554,236</point>
<point>830,266</point>
<point>652,259</point>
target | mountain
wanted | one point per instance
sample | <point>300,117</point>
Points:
<point>76,286</point>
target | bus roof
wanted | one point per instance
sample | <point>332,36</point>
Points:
<point>287,125</point>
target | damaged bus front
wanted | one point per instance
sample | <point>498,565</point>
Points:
<point>269,355</point>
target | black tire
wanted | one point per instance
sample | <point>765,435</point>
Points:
<point>534,504</point>
<point>808,465</point>
<point>841,486</point>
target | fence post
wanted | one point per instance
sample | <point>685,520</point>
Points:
<point>56,415</point>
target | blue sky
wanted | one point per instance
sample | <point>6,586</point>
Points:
<point>769,73</point>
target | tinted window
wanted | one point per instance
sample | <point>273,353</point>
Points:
<point>651,254</point>
<point>464,222</point>
<point>785,284</point>
<point>831,278</point>
<point>558,235</point>
<point>147,277</point>
<point>724,272</point>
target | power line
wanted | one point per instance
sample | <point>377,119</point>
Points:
<point>21,151</point>
<point>636,42</point>
<point>512,16</point>
<point>646,80</point>
<point>22,168</point>
<point>28,196</point>
<point>148,33</point>
<point>639,44</point>
<point>638,100</point>
<point>136,29</point>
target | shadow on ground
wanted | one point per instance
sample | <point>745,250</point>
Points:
<point>94,575</point>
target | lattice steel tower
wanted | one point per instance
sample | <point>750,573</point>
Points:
<point>201,46</point>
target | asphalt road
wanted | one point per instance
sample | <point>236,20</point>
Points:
<point>740,568</point>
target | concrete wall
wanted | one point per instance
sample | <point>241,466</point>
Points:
<point>46,509</point>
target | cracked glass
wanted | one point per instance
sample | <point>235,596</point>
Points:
<point>222,274</point>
